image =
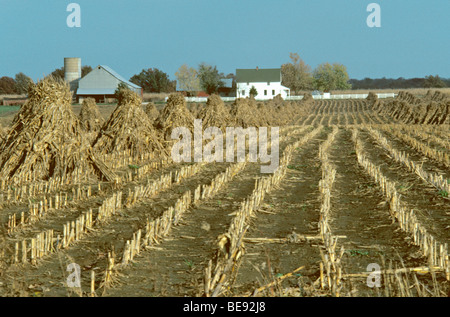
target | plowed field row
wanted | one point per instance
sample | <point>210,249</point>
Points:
<point>358,207</point>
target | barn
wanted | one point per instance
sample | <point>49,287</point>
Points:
<point>267,83</point>
<point>101,84</point>
<point>228,89</point>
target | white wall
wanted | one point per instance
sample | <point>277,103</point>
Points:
<point>272,89</point>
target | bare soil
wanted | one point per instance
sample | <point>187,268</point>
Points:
<point>175,267</point>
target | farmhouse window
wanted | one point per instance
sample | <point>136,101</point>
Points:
<point>265,92</point>
<point>273,92</point>
<point>268,83</point>
<point>243,92</point>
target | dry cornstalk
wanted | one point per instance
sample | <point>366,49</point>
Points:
<point>46,140</point>
<point>90,117</point>
<point>129,129</point>
<point>277,281</point>
<point>294,239</point>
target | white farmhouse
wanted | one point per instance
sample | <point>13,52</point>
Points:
<point>266,81</point>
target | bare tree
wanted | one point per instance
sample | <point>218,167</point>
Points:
<point>22,83</point>
<point>296,75</point>
<point>187,78</point>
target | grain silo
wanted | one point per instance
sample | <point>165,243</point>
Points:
<point>72,71</point>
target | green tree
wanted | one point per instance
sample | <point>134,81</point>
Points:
<point>253,91</point>
<point>296,75</point>
<point>85,70</point>
<point>187,79</point>
<point>433,82</point>
<point>7,86</point>
<point>154,80</point>
<point>210,78</point>
<point>329,77</point>
<point>323,77</point>
<point>58,73</point>
<point>22,83</point>
<point>341,77</point>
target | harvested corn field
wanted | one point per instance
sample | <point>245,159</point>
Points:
<point>358,205</point>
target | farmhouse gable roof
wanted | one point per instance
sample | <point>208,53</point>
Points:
<point>258,75</point>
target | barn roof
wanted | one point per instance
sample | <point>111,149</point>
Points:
<point>258,75</point>
<point>112,72</point>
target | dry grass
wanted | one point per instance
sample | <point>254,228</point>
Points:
<point>150,96</point>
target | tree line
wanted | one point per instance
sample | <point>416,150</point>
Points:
<point>299,77</point>
<point>296,75</point>
<point>19,84</point>
<point>205,78</point>
<point>15,86</point>
<point>400,83</point>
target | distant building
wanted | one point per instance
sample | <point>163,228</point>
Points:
<point>202,94</point>
<point>227,90</point>
<point>101,83</point>
<point>267,83</point>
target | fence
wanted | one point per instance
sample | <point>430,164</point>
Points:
<point>204,99</point>
<point>325,96</point>
<point>352,96</point>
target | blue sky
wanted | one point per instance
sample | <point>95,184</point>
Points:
<point>128,36</point>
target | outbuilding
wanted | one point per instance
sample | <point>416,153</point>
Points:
<point>101,83</point>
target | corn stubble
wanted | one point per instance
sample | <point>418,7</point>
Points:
<point>48,142</point>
